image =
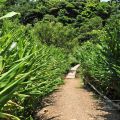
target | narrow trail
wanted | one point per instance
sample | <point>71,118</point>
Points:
<point>72,102</point>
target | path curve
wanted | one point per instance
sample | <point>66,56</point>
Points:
<point>72,102</point>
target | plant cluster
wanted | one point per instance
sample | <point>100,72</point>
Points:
<point>100,57</point>
<point>28,71</point>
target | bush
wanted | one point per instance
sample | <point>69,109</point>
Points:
<point>56,34</point>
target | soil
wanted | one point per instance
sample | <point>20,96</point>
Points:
<point>73,102</point>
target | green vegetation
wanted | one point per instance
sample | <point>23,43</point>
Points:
<point>41,39</point>
<point>100,54</point>
<point>29,70</point>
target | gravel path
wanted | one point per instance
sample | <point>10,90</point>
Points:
<point>72,102</point>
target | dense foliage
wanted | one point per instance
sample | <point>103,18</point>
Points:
<point>28,71</point>
<point>39,41</point>
<point>99,57</point>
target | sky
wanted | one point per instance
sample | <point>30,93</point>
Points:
<point>104,0</point>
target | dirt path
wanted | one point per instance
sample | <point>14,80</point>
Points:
<point>73,102</point>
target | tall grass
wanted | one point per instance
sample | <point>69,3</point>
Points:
<point>28,71</point>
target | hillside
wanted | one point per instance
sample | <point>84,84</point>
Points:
<point>41,39</point>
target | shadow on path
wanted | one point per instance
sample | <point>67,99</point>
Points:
<point>73,102</point>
